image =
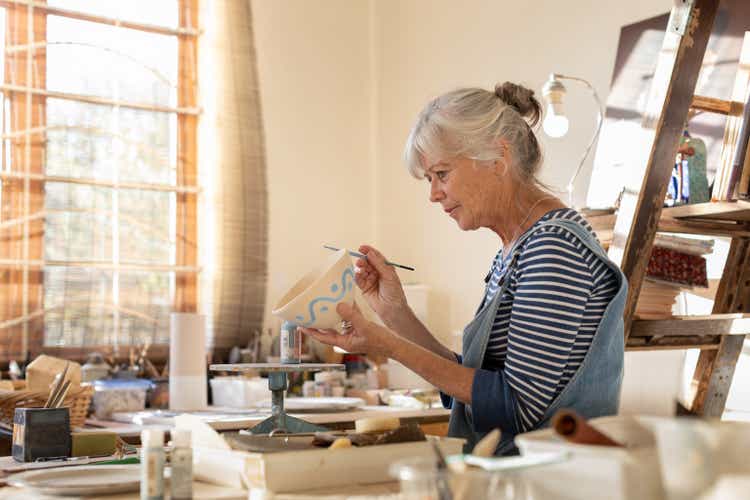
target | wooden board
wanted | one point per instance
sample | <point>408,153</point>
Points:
<point>297,471</point>
<point>720,210</point>
<point>718,324</point>
<point>713,373</point>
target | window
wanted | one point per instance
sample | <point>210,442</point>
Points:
<point>98,176</point>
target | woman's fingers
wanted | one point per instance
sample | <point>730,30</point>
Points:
<point>377,260</point>
<point>330,337</point>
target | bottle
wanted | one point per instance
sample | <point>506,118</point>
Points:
<point>290,343</point>
<point>152,464</point>
<point>182,465</point>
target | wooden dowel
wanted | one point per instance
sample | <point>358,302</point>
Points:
<point>83,16</point>
<point>96,182</point>
<point>9,87</point>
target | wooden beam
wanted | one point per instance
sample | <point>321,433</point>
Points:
<point>717,210</point>
<point>685,326</point>
<point>91,99</point>
<point>702,342</point>
<point>43,8</point>
<point>603,225</point>
<point>186,291</point>
<point>713,105</point>
<point>21,288</point>
<point>707,228</point>
<point>713,374</point>
<point>671,95</point>
<point>725,180</point>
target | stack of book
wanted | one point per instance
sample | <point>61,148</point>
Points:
<point>676,264</point>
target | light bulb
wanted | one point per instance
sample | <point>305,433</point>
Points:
<point>555,125</point>
<point>555,122</point>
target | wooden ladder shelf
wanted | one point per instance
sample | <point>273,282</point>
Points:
<point>721,335</point>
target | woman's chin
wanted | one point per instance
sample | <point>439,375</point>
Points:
<point>465,225</point>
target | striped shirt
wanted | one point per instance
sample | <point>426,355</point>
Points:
<point>548,315</point>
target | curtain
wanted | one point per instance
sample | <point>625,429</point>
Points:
<point>233,218</point>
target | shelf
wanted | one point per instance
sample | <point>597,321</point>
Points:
<point>704,343</point>
<point>730,211</point>
<point>723,218</point>
<point>692,326</point>
<point>686,332</point>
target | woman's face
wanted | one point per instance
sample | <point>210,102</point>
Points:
<point>469,192</point>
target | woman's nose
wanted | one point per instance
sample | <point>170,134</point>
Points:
<point>436,194</point>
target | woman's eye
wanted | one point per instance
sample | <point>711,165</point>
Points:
<point>442,175</point>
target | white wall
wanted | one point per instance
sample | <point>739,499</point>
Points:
<point>341,82</point>
<point>316,87</point>
<point>426,47</point>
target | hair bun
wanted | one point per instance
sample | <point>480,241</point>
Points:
<point>520,98</point>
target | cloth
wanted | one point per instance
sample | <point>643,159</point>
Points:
<point>593,391</point>
<point>548,314</point>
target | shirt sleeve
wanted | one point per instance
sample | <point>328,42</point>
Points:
<point>553,282</point>
<point>445,398</point>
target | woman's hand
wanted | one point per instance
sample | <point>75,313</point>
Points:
<point>363,337</point>
<point>380,285</point>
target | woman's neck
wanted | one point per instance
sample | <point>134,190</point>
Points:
<point>522,213</point>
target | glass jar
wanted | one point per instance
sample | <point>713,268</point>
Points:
<point>420,479</point>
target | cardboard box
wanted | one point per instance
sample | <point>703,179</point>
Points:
<point>42,371</point>
<point>292,471</point>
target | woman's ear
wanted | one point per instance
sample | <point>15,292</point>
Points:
<point>502,164</point>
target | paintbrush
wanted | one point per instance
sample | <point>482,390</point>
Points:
<point>53,390</point>
<point>363,256</point>
<point>61,395</point>
<point>56,386</point>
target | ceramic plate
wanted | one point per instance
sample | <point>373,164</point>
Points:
<point>316,404</point>
<point>83,480</point>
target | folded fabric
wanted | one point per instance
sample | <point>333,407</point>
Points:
<point>673,266</point>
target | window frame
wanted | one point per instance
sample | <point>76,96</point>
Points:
<point>22,258</point>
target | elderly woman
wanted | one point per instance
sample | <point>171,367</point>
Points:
<point>548,333</point>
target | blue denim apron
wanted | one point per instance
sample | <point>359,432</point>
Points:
<point>593,391</point>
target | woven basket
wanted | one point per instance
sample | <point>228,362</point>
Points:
<point>77,401</point>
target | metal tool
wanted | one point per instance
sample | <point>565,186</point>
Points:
<point>279,421</point>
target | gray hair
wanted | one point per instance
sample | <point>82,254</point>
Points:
<point>469,123</point>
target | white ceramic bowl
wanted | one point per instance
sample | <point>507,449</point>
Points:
<point>312,301</point>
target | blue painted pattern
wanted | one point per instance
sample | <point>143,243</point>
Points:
<point>347,282</point>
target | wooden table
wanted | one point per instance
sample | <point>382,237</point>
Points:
<point>205,491</point>
<point>432,420</point>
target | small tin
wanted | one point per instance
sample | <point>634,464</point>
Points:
<point>291,343</point>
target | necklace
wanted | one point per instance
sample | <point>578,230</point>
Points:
<point>531,209</point>
<point>520,225</point>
